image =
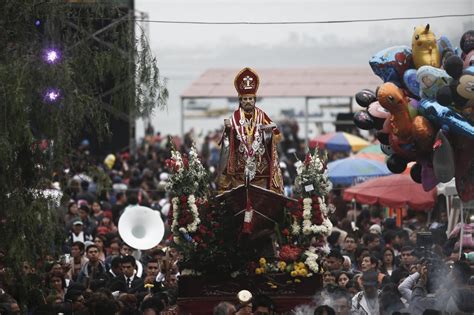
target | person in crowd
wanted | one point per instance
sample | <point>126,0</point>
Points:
<point>57,285</point>
<point>115,269</point>
<point>263,305</point>
<point>88,222</point>
<point>93,274</point>
<point>407,260</point>
<point>343,278</point>
<point>77,234</point>
<point>334,261</point>
<point>366,302</point>
<point>388,262</point>
<point>99,241</point>
<point>97,212</point>
<point>71,214</point>
<point>224,308</point>
<point>119,206</point>
<point>324,310</point>
<point>341,301</point>
<point>128,282</point>
<point>350,246</point>
<point>77,260</point>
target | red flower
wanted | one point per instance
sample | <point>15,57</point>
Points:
<point>184,199</point>
<point>202,229</point>
<point>182,221</point>
<point>298,214</point>
<point>285,232</point>
<point>197,239</point>
<point>290,253</point>
<point>307,160</point>
<point>210,234</point>
<point>315,206</point>
<point>186,163</point>
<point>318,217</point>
<point>289,204</point>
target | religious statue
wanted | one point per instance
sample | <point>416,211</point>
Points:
<point>249,142</point>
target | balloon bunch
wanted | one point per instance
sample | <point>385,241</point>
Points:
<point>424,110</point>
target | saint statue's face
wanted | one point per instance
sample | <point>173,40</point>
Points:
<point>247,103</point>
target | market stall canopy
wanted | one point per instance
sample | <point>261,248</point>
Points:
<point>339,142</point>
<point>394,191</point>
<point>286,82</point>
<point>354,170</point>
<point>373,148</point>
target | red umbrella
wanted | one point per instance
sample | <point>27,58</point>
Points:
<point>394,191</point>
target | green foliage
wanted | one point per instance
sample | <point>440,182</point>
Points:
<point>100,74</point>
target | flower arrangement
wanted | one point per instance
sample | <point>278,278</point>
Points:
<point>189,185</point>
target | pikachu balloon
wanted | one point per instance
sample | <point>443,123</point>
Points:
<point>425,48</point>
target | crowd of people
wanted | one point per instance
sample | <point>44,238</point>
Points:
<point>374,266</point>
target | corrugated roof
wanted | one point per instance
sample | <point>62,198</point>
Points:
<point>289,82</point>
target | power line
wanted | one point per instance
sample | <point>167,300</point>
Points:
<point>305,22</point>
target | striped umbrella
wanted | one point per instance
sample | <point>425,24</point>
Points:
<point>339,142</point>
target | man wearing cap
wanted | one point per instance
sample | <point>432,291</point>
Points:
<point>366,302</point>
<point>249,142</point>
<point>77,234</point>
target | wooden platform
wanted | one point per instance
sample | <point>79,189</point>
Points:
<point>198,295</point>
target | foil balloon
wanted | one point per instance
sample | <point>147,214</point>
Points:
<point>109,161</point>
<point>363,120</point>
<point>428,178</point>
<point>386,149</point>
<point>415,173</point>
<point>379,114</point>
<point>464,162</point>
<point>365,97</point>
<point>431,79</point>
<point>396,164</point>
<point>391,63</point>
<point>445,48</point>
<point>443,158</point>
<point>392,99</point>
<point>411,83</point>
<point>447,118</point>
<point>424,47</point>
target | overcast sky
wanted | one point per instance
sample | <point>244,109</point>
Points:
<point>185,51</point>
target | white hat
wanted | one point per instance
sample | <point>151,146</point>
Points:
<point>376,229</point>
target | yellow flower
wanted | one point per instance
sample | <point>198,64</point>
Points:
<point>273,287</point>
<point>294,273</point>
<point>289,281</point>
<point>301,265</point>
<point>149,286</point>
<point>258,271</point>
<point>262,261</point>
<point>282,265</point>
<point>297,280</point>
<point>303,272</point>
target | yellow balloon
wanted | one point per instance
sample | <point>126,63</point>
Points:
<point>424,47</point>
<point>109,161</point>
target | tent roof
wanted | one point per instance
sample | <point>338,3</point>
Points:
<point>288,82</point>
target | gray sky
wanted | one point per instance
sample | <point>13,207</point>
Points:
<point>185,51</point>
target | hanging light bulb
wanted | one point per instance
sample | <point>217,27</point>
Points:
<point>51,55</point>
<point>52,95</point>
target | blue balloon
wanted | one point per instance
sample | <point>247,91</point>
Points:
<point>412,85</point>
<point>391,63</point>
<point>446,118</point>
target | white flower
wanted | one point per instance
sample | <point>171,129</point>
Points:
<point>176,239</point>
<point>182,230</point>
<point>306,230</point>
<point>295,228</point>
<point>299,167</point>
